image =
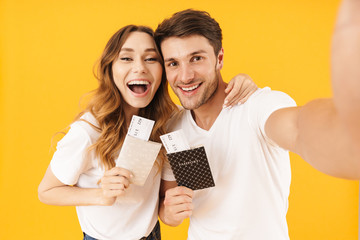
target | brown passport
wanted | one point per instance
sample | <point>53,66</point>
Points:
<point>191,168</point>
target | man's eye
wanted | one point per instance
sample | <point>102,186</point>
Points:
<point>196,58</point>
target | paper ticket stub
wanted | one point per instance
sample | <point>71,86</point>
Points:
<point>141,127</point>
<point>175,141</point>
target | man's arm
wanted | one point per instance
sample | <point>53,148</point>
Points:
<point>326,132</point>
<point>315,132</point>
<point>346,68</point>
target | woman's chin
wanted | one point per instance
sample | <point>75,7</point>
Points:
<point>140,104</point>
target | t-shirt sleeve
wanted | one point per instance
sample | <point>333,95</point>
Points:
<point>264,102</point>
<point>71,156</point>
<point>167,173</point>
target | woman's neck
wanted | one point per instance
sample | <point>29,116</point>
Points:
<point>129,112</point>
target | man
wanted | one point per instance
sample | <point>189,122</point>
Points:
<point>247,146</point>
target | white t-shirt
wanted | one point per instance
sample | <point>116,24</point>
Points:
<point>251,173</point>
<point>133,215</point>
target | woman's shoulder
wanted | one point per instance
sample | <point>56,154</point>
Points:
<point>88,124</point>
<point>90,118</point>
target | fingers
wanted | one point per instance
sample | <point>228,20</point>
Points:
<point>179,191</point>
<point>113,190</point>
<point>180,216</point>
<point>229,87</point>
<point>243,96</point>
<point>178,195</point>
<point>118,171</point>
<point>110,181</point>
<point>239,90</point>
<point>178,203</point>
<point>246,94</point>
<point>177,213</point>
<point>115,181</point>
<point>234,94</point>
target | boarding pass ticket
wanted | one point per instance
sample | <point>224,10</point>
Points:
<point>141,127</point>
<point>175,141</point>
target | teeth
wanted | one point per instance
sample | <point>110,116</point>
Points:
<point>138,83</point>
<point>190,88</point>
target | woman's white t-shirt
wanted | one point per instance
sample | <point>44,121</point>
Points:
<point>133,215</point>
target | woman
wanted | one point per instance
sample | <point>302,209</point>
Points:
<point>82,172</point>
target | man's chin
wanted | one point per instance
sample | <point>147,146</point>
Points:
<point>189,105</point>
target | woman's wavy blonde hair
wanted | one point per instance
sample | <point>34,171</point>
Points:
<point>107,104</point>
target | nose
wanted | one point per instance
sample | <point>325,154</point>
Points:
<point>139,66</point>
<point>186,73</point>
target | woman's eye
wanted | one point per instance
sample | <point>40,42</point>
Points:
<point>151,59</point>
<point>125,59</point>
<point>172,64</point>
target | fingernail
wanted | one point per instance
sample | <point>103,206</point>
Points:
<point>226,101</point>
<point>239,103</point>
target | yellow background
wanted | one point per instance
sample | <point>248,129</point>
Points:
<point>48,49</point>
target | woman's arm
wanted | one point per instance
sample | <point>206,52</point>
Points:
<point>53,192</point>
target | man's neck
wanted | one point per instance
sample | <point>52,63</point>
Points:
<point>207,113</point>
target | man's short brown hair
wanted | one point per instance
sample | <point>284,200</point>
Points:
<point>190,22</point>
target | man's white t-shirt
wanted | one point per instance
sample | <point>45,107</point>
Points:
<point>251,173</point>
<point>133,215</point>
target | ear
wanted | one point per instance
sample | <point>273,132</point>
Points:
<point>220,59</point>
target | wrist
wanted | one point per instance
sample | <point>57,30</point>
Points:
<point>102,200</point>
<point>170,221</point>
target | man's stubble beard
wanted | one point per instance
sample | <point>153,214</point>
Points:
<point>207,95</point>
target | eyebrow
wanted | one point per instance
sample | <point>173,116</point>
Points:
<point>132,50</point>
<point>189,55</point>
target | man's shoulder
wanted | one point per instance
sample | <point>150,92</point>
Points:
<point>268,96</point>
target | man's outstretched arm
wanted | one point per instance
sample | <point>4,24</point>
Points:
<point>326,132</point>
<point>346,68</point>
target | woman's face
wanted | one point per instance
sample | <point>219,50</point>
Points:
<point>137,71</point>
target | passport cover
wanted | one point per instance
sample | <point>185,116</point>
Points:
<point>138,156</point>
<point>191,168</point>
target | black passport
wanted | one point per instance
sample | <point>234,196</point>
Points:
<point>191,168</point>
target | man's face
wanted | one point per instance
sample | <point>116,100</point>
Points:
<point>192,69</point>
